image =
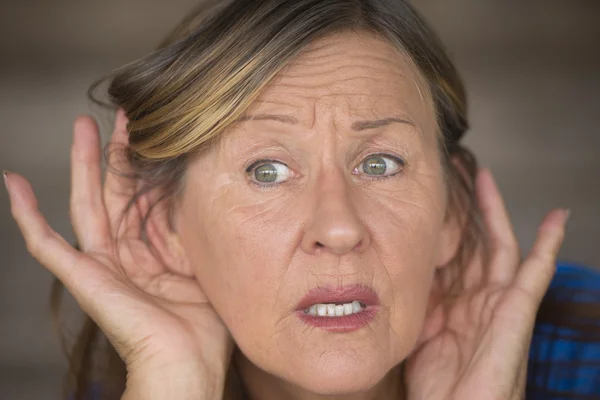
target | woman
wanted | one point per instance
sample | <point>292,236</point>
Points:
<point>290,214</point>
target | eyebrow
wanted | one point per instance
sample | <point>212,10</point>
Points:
<point>363,125</point>
<point>357,126</point>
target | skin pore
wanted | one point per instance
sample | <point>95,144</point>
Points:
<point>257,248</point>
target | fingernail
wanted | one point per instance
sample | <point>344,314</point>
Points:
<point>567,214</point>
<point>5,175</point>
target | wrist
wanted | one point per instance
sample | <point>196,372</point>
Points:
<point>182,382</point>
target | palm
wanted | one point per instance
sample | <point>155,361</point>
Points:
<point>475,344</point>
<point>148,311</point>
<point>478,342</point>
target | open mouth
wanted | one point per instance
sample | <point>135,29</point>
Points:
<point>339,310</point>
<point>335,310</point>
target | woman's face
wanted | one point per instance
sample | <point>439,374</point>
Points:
<point>332,186</point>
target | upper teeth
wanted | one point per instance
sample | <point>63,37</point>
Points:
<point>335,310</point>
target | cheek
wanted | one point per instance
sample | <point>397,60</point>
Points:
<point>240,255</point>
<point>406,226</point>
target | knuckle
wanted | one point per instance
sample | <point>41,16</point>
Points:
<point>36,245</point>
<point>543,256</point>
<point>550,232</point>
<point>32,247</point>
<point>508,245</point>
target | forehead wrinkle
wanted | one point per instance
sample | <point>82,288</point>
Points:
<point>296,73</point>
<point>339,75</point>
<point>258,102</point>
<point>381,59</point>
<point>342,64</point>
<point>390,59</point>
<point>294,98</point>
<point>374,46</point>
<point>286,119</point>
<point>386,56</point>
<point>351,86</point>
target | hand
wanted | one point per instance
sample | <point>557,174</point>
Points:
<point>160,322</point>
<point>476,344</point>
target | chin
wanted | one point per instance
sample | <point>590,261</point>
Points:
<point>340,374</point>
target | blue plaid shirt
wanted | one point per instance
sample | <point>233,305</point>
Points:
<point>564,363</point>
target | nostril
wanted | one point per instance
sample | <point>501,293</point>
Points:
<point>319,244</point>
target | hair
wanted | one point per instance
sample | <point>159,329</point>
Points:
<point>183,96</point>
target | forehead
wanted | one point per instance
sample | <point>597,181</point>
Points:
<point>357,74</point>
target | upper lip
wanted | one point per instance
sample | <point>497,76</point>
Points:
<point>345,294</point>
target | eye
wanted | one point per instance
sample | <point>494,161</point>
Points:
<point>380,165</point>
<point>266,172</point>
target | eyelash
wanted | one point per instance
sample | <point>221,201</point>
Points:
<point>258,163</point>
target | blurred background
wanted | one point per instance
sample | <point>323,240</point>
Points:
<point>532,70</point>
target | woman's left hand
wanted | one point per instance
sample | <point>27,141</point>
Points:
<point>475,345</point>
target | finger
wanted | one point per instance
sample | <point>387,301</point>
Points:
<point>475,275</point>
<point>49,248</point>
<point>119,186</point>
<point>521,383</point>
<point>84,277</point>
<point>505,252</point>
<point>538,269</point>
<point>173,287</point>
<point>88,214</point>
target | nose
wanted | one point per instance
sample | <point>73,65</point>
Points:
<point>334,225</point>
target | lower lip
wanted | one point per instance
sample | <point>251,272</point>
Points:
<point>341,324</point>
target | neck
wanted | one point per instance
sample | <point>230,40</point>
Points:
<point>260,385</point>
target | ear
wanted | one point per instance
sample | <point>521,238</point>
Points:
<point>161,234</point>
<point>454,224</point>
<point>450,240</point>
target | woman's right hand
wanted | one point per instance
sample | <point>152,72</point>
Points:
<point>160,322</point>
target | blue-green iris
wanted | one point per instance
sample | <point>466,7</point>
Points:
<point>266,173</point>
<point>374,166</point>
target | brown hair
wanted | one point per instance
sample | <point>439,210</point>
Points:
<point>187,93</point>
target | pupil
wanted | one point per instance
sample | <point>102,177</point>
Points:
<point>266,173</point>
<point>374,166</point>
